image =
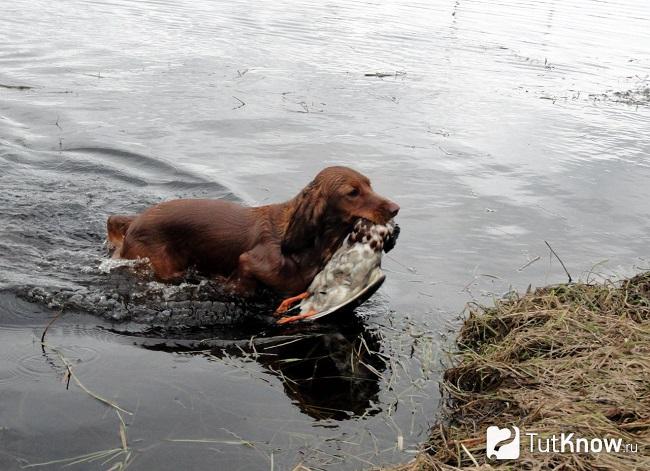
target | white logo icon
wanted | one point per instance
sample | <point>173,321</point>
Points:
<point>496,448</point>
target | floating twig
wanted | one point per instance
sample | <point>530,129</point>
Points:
<point>397,73</point>
<point>49,324</point>
<point>81,385</point>
<point>242,103</point>
<point>560,260</point>
<point>529,263</point>
<point>87,458</point>
<point>16,87</point>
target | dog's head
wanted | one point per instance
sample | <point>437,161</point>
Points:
<point>333,201</point>
<point>349,196</point>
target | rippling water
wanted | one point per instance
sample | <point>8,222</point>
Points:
<point>496,126</point>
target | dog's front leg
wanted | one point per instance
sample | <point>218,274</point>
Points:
<point>270,268</point>
<point>250,272</point>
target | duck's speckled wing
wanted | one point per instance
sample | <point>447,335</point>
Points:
<point>376,280</point>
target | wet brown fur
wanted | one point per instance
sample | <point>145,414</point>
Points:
<point>281,246</point>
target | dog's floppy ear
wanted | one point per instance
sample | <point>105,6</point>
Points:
<point>305,220</point>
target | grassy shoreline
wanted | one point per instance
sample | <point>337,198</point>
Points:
<point>565,358</point>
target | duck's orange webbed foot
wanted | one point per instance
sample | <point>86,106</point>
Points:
<point>286,320</point>
<point>287,303</point>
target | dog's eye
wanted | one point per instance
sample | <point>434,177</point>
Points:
<point>354,192</point>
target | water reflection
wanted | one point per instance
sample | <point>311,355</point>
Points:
<point>328,372</point>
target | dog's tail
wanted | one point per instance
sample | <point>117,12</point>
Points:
<point>116,227</point>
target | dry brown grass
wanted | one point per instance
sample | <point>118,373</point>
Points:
<point>566,358</point>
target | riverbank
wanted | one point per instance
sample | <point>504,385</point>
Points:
<point>572,358</point>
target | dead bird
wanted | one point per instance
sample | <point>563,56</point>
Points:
<point>354,266</point>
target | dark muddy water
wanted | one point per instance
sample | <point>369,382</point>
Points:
<point>496,127</point>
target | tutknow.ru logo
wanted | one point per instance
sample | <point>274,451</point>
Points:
<point>505,443</point>
<point>502,443</point>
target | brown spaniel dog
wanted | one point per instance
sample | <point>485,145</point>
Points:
<point>280,246</point>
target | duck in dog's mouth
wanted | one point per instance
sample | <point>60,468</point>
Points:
<point>351,269</point>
